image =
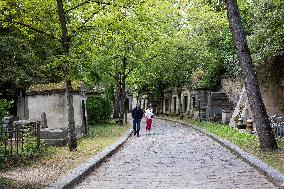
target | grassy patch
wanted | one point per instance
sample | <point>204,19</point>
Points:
<point>5,182</point>
<point>242,139</point>
<point>56,162</point>
<point>247,142</point>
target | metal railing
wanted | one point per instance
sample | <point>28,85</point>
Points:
<point>17,139</point>
<point>277,124</point>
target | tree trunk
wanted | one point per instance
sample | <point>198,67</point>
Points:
<point>122,92</point>
<point>116,106</point>
<point>65,46</point>
<point>124,113</point>
<point>264,130</point>
<point>180,103</point>
<point>71,122</point>
<point>116,100</point>
<point>120,100</point>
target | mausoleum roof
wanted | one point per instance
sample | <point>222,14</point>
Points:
<point>52,88</point>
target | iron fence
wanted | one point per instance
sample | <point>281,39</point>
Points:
<point>19,139</point>
<point>277,124</point>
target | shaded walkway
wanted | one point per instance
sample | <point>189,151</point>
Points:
<point>174,156</point>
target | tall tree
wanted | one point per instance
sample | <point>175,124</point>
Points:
<point>65,40</point>
<point>38,18</point>
<point>264,130</point>
<point>123,35</point>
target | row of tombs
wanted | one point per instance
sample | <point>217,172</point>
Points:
<point>48,103</point>
<point>227,105</point>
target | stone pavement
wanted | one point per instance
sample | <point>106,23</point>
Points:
<point>174,156</point>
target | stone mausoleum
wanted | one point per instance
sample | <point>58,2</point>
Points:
<point>49,100</point>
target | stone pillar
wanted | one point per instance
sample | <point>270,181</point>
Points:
<point>226,116</point>
<point>43,120</point>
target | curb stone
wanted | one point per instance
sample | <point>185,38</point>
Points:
<point>70,180</point>
<point>275,176</point>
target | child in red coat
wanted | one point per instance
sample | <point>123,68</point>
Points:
<point>149,116</point>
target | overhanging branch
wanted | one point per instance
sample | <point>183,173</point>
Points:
<point>86,2</point>
<point>90,17</point>
<point>116,79</point>
<point>79,5</point>
<point>30,28</point>
<point>129,71</point>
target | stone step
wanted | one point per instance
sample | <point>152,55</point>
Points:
<point>53,133</point>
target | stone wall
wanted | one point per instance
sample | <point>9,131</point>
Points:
<point>272,94</point>
<point>273,98</point>
<point>55,107</point>
<point>233,88</point>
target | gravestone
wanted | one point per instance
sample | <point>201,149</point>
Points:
<point>217,102</point>
<point>8,122</point>
<point>43,120</point>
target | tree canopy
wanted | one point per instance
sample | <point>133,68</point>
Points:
<point>147,45</point>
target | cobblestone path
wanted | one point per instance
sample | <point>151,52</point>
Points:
<point>174,156</point>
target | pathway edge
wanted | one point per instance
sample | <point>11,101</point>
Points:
<point>70,180</point>
<point>275,176</point>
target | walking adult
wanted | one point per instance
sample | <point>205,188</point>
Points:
<point>137,114</point>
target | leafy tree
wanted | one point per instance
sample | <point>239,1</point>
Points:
<point>5,105</point>
<point>33,18</point>
<point>266,137</point>
<point>265,20</point>
<point>122,35</point>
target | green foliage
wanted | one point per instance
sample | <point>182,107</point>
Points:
<point>266,18</point>
<point>99,109</point>
<point>246,141</point>
<point>23,52</point>
<point>27,152</point>
<point>30,145</point>
<point>5,105</point>
<point>4,183</point>
<point>195,51</point>
<point>212,79</point>
<point>3,140</point>
<point>243,139</point>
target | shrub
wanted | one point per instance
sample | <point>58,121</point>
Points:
<point>99,109</point>
<point>5,105</point>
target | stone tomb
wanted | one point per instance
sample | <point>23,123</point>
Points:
<point>49,100</point>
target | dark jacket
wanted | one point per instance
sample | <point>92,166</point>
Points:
<point>137,113</point>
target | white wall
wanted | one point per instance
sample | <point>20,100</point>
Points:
<point>55,107</point>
